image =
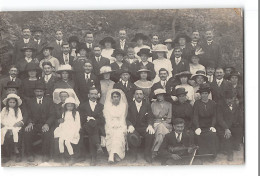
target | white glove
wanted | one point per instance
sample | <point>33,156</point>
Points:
<point>150,129</point>
<point>90,118</point>
<point>174,98</point>
<point>199,51</point>
<point>130,129</point>
<point>198,131</point>
<point>212,129</point>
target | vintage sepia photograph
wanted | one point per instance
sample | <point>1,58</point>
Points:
<point>158,87</point>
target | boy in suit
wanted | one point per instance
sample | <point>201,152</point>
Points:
<point>178,63</point>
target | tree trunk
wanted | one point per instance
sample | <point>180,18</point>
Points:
<point>175,16</point>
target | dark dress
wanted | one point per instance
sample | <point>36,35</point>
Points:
<point>27,88</point>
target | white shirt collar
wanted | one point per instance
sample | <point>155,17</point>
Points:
<point>144,63</point>
<point>219,80</point>
<point>26,40</point>
<point>122,41</point>
<point>91,102</point>
<point>124,82</point>
<point>176,134</point>
<point>87,74</point>
<point>138,104</point>
<point>28,59</point>
<point>39,99</point>
<point>59,42</point>
<point>11,78</point>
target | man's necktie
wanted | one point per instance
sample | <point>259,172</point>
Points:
<point>40,102</point>
<point>87,78</point>
<point>219,83</point>
<point>125,85</point>
<point>13,79</point>
<point>230,107</point>
<point>66,59</point>
<point>179,137</point>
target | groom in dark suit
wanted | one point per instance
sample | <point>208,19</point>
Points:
<point>92,120</point>
<point>140,123</point>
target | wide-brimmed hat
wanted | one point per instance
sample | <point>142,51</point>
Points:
<point>118,51</point>
<point>184,73</point>
<point>40,85</point>
<point>124,70</point>
<point>47,46</point>
<point>107,39</point>
<point>205,87</point>
<point>143,69</point>
<point>200,73</point>
<point>32,66</point>
<point>70,100</point>
<point>160,48</point>
<point>11,84</point>
<point>105,69</point>
<point>168,41</point>
<point>71,93</point>
<point>234,73</point>
<point>182,35</point>
<point>82,46</point>
<point>134,139</point>
<point>158,92</point>
<point>28,47</point>
<point>139,36</point>
<point>145,51</point>
<point>180,91</point>
<point>66,67</point>
<point>9,96</point>
<point>73,39</point>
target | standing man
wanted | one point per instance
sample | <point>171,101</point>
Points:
<point>57,44</point>
<point>91,113</point>
<point>210,71</point>
<point>26,39</point>
<point>154,42</point>
<point>38,38</point>
<point>65,58</point>
<point>89,38</point>
<point>178,63</point>
<point>41,116</point>
<point>122,43</point>
<point>194,47</point>
<point>140,123</point>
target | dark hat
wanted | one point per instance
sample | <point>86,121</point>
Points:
<point>180,91</point>
<point>47,46</point>
<point>73,39</point>
<point>205,87</point>
<point>107,39</point>
<point>124,70</point>
<point>40,85</point>
<point>182,35</point>
<point>234,73</point>
<point>11,84</point>
<point>229,66</point>
<point>145,51</point>
<point>26,26</point>
<point>37,29</point>
<point>143,69</point>
<point>118,51</point>
<point>139,36</point>
<point>82,46</point>
<point>46,63</point>
<point>28,47</point>
<point>184,73</point>
<point>169,41</point>
<point>134,139</point>
<point>229,94</point>
<point>177,121</point>
<point>32,66</point>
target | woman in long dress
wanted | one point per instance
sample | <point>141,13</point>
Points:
<point>115,112</point>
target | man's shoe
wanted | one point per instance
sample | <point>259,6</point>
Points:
<point>148,159</point>
<point>99,149</point>
<point>18,158</point>
<point>93,161</point>
<point>230,157</point>
<point>30,158</point>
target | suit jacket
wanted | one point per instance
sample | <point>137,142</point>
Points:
<point>56,52</point>
<point>58,113</point>
<point>137,66</point>
<point>21,64</point>
<point>3,83</point>
<point>49,85</point>
<point>83,86</point>
<point>115,76</point>
<point>119,46</point>
<point>218,92</point>
<point>18,54</point>
<point>41,114</point>
<point>212,53</point>
<point>129,90</point>
<point>189,50</point>
<point>39,54</point>
<point>182,66</point>
<point>140,119</point>
<point>170,140</point>
<point>61,59</point>
<point>97,65</point>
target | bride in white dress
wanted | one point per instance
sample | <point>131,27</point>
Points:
<point>115,112</point>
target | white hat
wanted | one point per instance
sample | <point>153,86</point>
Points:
<point>159,91</point>
<point>160,48</point>
<point>66,67</point>
<point>13,96</point>
<point>70,100</point>
<point>71,92</point>
<point>105,69</point>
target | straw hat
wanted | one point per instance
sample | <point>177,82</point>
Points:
<point>158,92</point>
<point>13,96</point>
<point>105,69</point>
<point>199,73</point>
<point>70,100</point>
<point>65,67</point>
<point>160,48</point>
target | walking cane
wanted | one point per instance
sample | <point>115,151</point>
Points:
<point>193,156</point>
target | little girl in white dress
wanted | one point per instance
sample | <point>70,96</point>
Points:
<point>68,130</point>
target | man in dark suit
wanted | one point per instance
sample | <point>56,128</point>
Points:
<point>41,117</point>
<point>91,113</point>
<point>40,41</point>
<point>98,60</point>
<point>219,86</point>
<point>57,44</point>
<point>211,50</point>
<point>89,38</point>
<point>125,85</point>
<point>177,145</point>
<point>140,123</point>
<point>178,63</point>
<point>65,57</point>
<point>26,39</point>
<point>230,125</point>
<point>85,80</point>
<point>122,43</point>
<point>13,72</point>
<point>193,47</point>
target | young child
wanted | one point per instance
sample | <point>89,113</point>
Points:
<point>11,115</point>
<point>68,130</point>
<point>130,56</point>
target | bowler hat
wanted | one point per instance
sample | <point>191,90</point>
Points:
<point>118,51</point>
<point>145,51</point>
<point>28,47</point>
<point>40,85</point>
<point>32,66</point>
<point>180,91</point>
<point>124,70</point>
<point>143,69</point>
<point>205,87</point>
<point>107,39</point>
<point>11,84</point>
<point>139,36</point>
<point>9,96</point>
<point>73,39</point>
<point>184,73</point>
<point>211,64</point>
<point>134,139</point>
<point>177,121</point>
<point>47,46</point>
<point>182,35</point>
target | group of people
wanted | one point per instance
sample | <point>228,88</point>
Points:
<point>171,100</point>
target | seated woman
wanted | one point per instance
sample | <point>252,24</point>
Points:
<point>28,84</point>
<point>115,112</point>
<point>162,111</point>
<point>184,77</point>
<point>143,83</point>
<point>108,44</point>
<point>195,66</point>
<point>105,83</point>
